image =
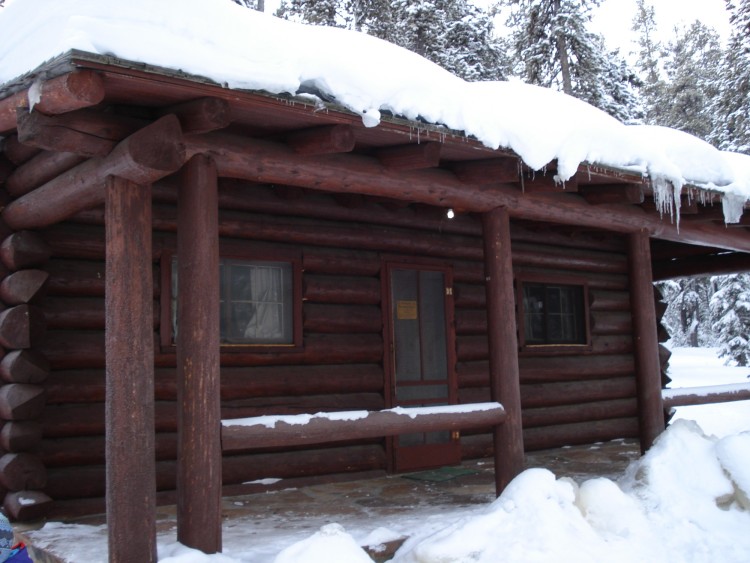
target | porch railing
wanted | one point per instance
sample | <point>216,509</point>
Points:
<point>295,430</point>
<point>685,396</point>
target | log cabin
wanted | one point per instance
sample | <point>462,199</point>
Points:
<point>177,255</point>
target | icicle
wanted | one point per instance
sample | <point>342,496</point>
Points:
<point>667,198</point>
<point>733,205</point>
<point>35,94</point>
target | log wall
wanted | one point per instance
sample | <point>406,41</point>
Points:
<point>569,396</point>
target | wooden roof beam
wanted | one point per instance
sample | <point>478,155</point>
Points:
<point>69,92</point>
<point>146,156</point>
<point>264,161</point>
<point>488,171</point>
<point>612,193</point>
<point>716,264</point>
<point>410,157</point>
<point>540,183</point>
<point>326,139</point>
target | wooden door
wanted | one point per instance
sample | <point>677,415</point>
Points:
<point>420,359</point>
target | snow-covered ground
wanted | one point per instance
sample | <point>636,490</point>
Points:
<point>686,500</point>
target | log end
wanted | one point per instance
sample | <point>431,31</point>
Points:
<point>22,506</point>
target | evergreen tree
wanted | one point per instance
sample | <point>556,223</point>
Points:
<point>687,100</point>
<point>555,49</point>
<point>732,131</point>
<point>730,308</point>
<point>647,64</point>
<point>317,12</point>
<point>688,315</point>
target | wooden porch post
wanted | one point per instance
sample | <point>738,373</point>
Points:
<point>503,345</point>
<point>130,470</point>
<point>198,384</point>
<point>645,340</point>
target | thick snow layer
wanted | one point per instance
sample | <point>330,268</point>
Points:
<point>242,48</point>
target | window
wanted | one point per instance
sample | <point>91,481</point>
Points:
<point>257,302</point>
<point>553,313</point>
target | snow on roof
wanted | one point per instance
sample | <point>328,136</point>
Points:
<point>245,49</point>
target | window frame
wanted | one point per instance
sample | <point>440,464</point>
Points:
<point>238,255</point>
<point>552,280</point>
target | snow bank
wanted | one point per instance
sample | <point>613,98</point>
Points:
<point>685,500</point>
<point>244,49</point>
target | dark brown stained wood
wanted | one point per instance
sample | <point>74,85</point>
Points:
<point>85,349</point>
<point>645,341</point>
<point>595,280</point>
<point>24,249</point>
<point>706,213</point>
<point>130,470</point>
<point>22,326</point>
<point>610,322</point>
<point>75,277</point>
<point>319,430</point>
<point>23,286</point>
<point>536,183</point>
<point>326,139</point>
<point>572,392</point>
<point>343,262</point>
<point>22,471</point>
<point>6,168</point>
<point>410,157</point>
<point>540,369</point>
<point>25,506</point>
<point>84,133</point>
<point>469,296</point>
<point>147,155</point>
<point>198,337</point>
<point>19,436</point>
<point>488,171</point>
<point>202,114</point>
<point>503,353</point>
<point>664,355</point>
<point>62,94</point>
<point>341,318</point>
<point>89,450</point>
<point>714,265</point>
<point>341,290</point>
<point>264,161</point>
<point>603,300</point>
<point>475,347</point>
<point>568,414</point>
<point>15,152</point>
<point>350,201</point>
<point>471,321</point>
<point>39,170</point>
<point>79,313</point>
<point>85,386</point>
<point>21,401</point>
<point>544,256</point>
<point>24,366</point>
<point>612,193</point>
<point>588,432</point>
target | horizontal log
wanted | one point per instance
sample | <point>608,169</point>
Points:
<point>20,436</point>
<point>488,171</point>
<point>326,427</point>
<point>26,506</point>
<point>62,94</point>
<point>701,266</point>
<point>571,259</point>
<point>539,369</point>
<point>264,161</point>
<point>24,249</point>
<point>594,280</point>
<point>471,321</point>
<point>23,286</point>
<point>576,392</point>
<point>85,386</point>
<point>341,290</point>
<point>342,318</point>
<point>603,300</point>
<point>6,168</point>
<point>90,450</point>
<point>611,322</point>
<point>80,313</point>
<point>14,151</point>
<point>86,482</point>
<point>82,278</point>
<point>340,262</point>
<point>325,139</point>
<point>21,401</point>
<point>24,366</point>
<point>681,397</point>
<point>469,296</point>
<point>301,404</point>
<point>557,236</point>
<point>586,412</point>
<point>42,168</point>
<point>22,471</point>
<point>147,155</point>
<point>22,326</point>
<point>411,156</point>
<point>201,115</point>
<point>612,193</point>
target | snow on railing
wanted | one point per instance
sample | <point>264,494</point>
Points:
<point>684,396</point>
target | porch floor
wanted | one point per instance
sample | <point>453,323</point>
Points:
<point>270,521</point>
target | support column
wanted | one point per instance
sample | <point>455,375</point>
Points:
<point>131,475</point>
<point>198,383</point>
<point>645,340</point>
<point>503,345</point>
